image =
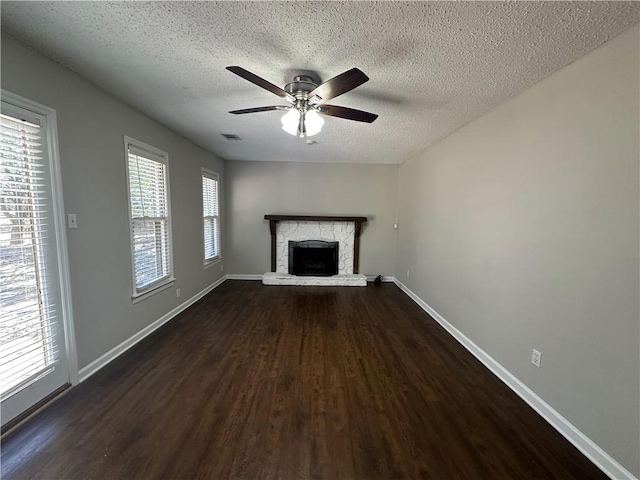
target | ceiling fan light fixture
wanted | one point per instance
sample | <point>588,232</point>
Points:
<point>302,125</point>
<point>313,123</point>
<point>290,121</point>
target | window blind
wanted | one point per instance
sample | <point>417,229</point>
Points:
<point>150,227</point>
<point>211,221</point>
<point>28,311</point>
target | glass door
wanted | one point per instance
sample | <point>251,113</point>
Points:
<point>33,360</point>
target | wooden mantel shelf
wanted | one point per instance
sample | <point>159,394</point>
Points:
<point>274,219</point>
<point>315,218</point>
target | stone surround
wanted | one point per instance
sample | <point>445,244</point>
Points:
<point>344,230</point>
<point>341,232</point>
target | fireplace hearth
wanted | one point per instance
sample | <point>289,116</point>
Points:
<point>313,258</point>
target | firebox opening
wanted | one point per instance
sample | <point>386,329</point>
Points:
<point>313,258</point>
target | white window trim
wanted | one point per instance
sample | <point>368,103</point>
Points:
<point>212,262</point>
<point>205,172</point>
<point>153,289</point>
<point>163,157</point>
<point>59,224</point>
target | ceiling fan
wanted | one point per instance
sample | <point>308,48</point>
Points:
<point>306,100</point>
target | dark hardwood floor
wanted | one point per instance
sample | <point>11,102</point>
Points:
<point>260,382</point>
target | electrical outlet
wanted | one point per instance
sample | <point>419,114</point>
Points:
<point>407,273</point>
<point>536,357</point>
<point>177,293</point>
<point>72,221</point>
<point>222,267</point>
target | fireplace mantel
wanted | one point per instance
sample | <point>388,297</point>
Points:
<point>274,219</point>
<point>315,218</point>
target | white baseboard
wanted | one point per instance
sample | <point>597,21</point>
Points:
<point>251,276</point>
<point>118,350</point>
<point>385,278</point>
<point>583,443</point>
<point>244,276</point>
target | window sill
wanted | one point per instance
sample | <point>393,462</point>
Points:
<point>212,262</point>
<point>138,297</point>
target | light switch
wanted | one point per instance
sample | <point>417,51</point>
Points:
<point>72,221</point>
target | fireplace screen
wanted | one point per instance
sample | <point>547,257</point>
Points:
<point>313,257</point>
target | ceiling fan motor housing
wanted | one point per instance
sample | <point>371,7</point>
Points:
<point>300,88</point>
<point>301,85</point>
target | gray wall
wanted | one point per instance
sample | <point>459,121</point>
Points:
<point>521,229</point>
<point>257,188</point>
<point>91,126</point>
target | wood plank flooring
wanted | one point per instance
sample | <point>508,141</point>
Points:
<point>257,382</point>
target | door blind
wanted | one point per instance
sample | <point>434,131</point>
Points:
<point>149,219</point>
<point>211,216</point>
<point>28,312</point>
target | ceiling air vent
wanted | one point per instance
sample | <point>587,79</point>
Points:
<point>231,136</point>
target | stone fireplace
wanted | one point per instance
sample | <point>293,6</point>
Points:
<point>312,232</point>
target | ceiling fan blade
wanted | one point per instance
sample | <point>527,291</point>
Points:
<point>338,85</point>
<point>348,113</point>
<point>261,82</point>
<point>259,109</point>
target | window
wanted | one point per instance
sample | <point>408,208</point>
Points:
<point>211,215</point>
<point>150,217</point>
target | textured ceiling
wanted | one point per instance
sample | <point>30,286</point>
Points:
<point>433,66</point>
